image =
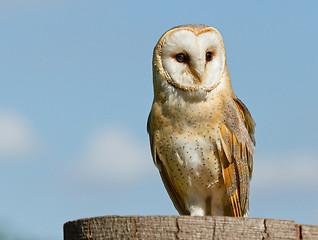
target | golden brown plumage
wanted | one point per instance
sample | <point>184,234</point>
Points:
<point>201,134</point>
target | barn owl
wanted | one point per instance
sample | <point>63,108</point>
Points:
<point>201,135</point>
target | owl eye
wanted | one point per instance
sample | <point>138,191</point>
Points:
<point>209,56</point>
<point>181,57</point>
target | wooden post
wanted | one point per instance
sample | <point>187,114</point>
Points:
<point>185,227</point>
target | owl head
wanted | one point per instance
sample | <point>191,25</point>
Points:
<point>189,59</point>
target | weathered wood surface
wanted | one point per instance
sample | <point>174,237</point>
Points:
<point>185,227</point>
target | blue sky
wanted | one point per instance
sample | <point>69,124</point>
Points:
<point>76,90</point>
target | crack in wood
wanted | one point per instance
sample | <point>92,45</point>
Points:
<point>214,230</point>
<point>265,230</point>
<point>299,231</point>
<point>88,229</point>
<point>135,233</point>
<point>178,228</point>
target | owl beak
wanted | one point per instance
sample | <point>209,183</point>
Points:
<point>195,74</point>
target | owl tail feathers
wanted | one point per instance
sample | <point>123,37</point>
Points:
<point>229,176</point>
<point>236,205</point>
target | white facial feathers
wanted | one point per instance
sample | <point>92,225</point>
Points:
<point>203,62</point>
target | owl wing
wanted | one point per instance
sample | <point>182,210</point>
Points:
<point>236,150</point>
<point>173,194</point>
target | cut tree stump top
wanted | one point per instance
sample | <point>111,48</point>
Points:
<point>185,227</point>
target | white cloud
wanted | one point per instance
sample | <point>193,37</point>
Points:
<point>114,156</point>
<point>17,139</point>
<point>291,171</point>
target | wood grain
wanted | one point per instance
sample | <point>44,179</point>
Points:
<point>185,227</point>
